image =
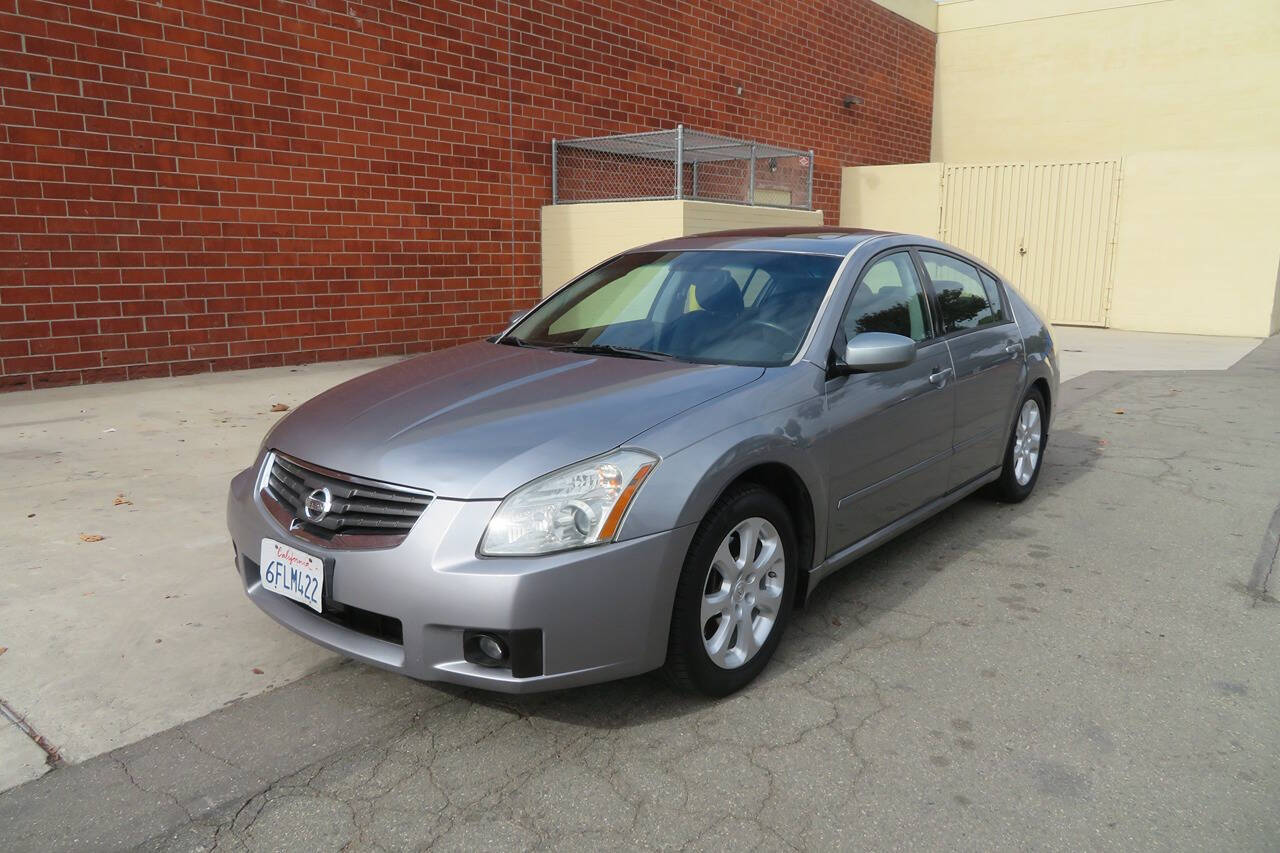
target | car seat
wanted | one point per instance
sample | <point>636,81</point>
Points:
<point>719,301</point>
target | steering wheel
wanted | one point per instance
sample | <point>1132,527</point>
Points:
<point>783,338</point>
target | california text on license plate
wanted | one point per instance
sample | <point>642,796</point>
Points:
<point>292,573</point>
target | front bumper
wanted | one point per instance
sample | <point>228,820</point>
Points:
<point>604,612</point>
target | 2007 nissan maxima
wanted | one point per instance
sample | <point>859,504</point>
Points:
<point>652,466</point>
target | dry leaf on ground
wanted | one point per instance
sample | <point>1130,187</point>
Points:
<point>121,500</point>
<point>257,671</point>
<point>91,537</point>
<point>279,407</point>
<point>3,649</point>
<point>1119,411</point>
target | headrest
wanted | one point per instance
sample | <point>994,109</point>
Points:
<point>718,293</point>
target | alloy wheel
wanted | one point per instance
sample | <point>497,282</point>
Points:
<point>742,593</point>
<point>1026,443</point>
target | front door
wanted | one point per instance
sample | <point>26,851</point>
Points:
<point>986,348</point>
<point>888,440</point>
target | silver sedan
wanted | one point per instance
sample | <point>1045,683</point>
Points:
<point>651,468</point>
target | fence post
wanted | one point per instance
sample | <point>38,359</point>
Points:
<point>751,177</point>
<point>679,161</point>
<point>555,175</point>
<point>810,179</point>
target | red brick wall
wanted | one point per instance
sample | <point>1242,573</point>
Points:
<point>192,185</point>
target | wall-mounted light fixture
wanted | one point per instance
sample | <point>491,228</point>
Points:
<point>773,164</point>
<point>851,101</point>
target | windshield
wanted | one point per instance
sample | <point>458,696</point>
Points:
<point>714,307</point>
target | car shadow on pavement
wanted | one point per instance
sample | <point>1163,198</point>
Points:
<point>841,614</point>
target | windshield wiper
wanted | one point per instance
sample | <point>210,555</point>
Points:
<point>610,349</point>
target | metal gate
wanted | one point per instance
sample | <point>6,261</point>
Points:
<point>1049,227</point>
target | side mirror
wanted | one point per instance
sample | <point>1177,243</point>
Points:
<point>876,351</point>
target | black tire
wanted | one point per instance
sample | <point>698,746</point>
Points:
<point>1007,488</point>
<point>689,666</point>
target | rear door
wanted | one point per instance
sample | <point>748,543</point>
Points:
<point>986,348</point>
<point>889,433</point>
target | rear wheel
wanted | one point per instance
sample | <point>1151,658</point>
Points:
<point>734,594</point>
<point>1025,452</point>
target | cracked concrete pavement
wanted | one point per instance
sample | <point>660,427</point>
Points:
<point>1093,668</point>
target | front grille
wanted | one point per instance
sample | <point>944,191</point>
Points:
<point>363,514</point>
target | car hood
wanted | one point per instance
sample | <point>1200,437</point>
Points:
<point>478,420</point>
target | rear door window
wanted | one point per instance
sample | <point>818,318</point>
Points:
<point>756,282</point>
<point>962,298</point>
<point>993,297</point>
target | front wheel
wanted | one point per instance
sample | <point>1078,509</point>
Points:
<point>734,594</point>
<point>1025,452</point>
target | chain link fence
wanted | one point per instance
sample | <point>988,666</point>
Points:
<point>680,164</point>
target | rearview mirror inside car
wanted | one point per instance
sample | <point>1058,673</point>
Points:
<point>876,351</point>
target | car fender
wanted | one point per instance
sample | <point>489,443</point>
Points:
<point>1041,360</point>
<point>690,478</point>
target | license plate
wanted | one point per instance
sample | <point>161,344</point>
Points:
<point>292,573</point>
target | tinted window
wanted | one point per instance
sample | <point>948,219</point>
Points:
<point>888,299</point>
<point>731,307</point>
<point>755,285</point>
<point>629,299</point>
<point>993,296</point>
<point>752,281</point>
<point>961,296</point>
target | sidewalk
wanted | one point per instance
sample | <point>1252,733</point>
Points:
<point>1083,350</point>
<point>113,640</point>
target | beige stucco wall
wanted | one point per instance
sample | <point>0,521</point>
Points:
<point>1197,235</point>
<point>1186,93</point>
<point>576,237</point>
<point>1198,246</point>
<point>922,12</point>
<point>1070,79</point>
<point>892,198</point>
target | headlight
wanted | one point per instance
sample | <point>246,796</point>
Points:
<point>570,508</point>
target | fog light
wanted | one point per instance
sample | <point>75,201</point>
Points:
<point>518,650</point>
<point>491,647</point>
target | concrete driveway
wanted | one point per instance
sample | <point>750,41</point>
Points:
<point>1091,668</point>
<point>118,604</point>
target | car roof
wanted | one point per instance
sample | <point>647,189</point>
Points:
<point>820,241</point>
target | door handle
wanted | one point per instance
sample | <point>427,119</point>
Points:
<point>1014,348</point>
<point>940,378</point>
